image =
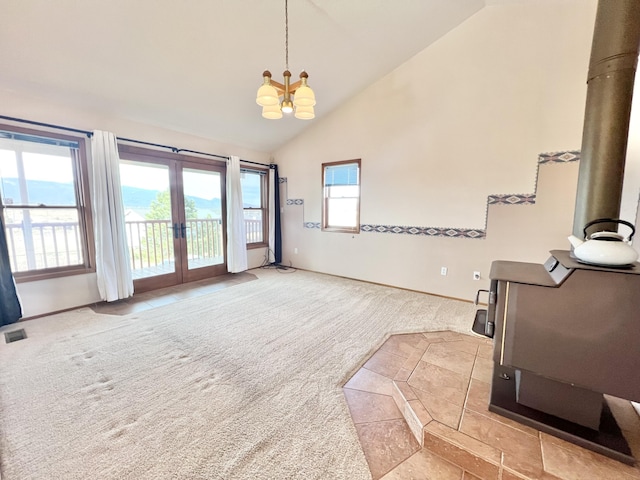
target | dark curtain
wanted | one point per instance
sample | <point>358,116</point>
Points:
<point>10,309</point>
<point>278,233</point>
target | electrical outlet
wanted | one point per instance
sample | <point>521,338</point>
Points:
<point>295,250</point>
<point>476,275</point>
<point>443,270</point>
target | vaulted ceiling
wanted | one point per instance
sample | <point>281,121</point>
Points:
<point>194,66</point>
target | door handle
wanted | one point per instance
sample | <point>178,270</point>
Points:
<point>175,231</point>
<point>183,229</point>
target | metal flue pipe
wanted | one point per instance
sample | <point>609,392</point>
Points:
<point>612,69</point>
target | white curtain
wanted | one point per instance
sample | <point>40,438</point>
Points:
<point>112,255</point>
<point>236,231</point>
<point>272,215</point>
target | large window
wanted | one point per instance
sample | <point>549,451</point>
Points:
<point>254,198</point>
<point>44,203</point>
<point>341,204</point>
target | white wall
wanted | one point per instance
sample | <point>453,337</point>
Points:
<point>629,209</point>
<point>67,292</point>
<point>463,119</point>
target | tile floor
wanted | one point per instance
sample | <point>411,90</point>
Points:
<point>164,296</point>
<point>419,405</point>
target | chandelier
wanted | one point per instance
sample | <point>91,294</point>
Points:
<point>296,97</point>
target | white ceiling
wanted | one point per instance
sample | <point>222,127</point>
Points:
<point>194,65</point>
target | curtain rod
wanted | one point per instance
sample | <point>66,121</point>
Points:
<point>40,124</point>
<point>178,150</point>
<point>89,134</point>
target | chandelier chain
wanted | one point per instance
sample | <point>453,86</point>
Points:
<point>286,34</point>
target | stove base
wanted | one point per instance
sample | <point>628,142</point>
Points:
<point>608,440</point>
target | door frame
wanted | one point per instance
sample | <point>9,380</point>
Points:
<point>191,275</point>
<point>175,162</point>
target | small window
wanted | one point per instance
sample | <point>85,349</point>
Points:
<point>254,198</point>
<point>47,223</point>
<point>341,205</point>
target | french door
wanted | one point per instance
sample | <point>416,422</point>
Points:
<point>175,213</point>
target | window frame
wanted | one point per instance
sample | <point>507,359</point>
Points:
<point>264,201</point>
<point>325,198</point>
<point>80,168</point>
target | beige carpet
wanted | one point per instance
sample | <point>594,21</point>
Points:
<point>244,383</point>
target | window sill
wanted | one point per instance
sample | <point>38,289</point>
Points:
<point>341,230</point>
<point>253,246</point>
<point>25,277</point>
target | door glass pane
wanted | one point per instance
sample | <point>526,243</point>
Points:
<point>147,210</point>
<point>203,218</point>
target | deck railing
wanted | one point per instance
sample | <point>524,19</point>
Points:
<point>59,244</point>
<point>40,245</point>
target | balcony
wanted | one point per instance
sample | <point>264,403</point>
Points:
<point>46,245</point>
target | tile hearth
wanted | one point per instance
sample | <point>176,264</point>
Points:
<point>419,405</point>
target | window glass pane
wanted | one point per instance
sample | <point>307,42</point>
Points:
<point>38,172</point>
<point>253,225</point>
<point>346,174</point>
<point>37,141</point>
<point>343,191</point>
<point>9,177</point>
<point>36,178</point>
<point>251,184</point>
<point>41,238</point>
<point>342,212</point>
<point>341,207</point>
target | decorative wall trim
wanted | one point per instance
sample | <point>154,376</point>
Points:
<point>474,233</point>
<point>425,231</point>
<point>512,199</point>
<point>559,157</point>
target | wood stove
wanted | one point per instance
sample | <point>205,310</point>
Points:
<point>565,333</point>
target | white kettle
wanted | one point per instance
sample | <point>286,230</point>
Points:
<point>609,249</point>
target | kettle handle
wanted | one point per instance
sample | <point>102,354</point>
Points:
<point>610,220</point>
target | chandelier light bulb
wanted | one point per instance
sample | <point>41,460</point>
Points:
<point>287,106</point>
<point>272,112</point>
<point>304,96</point>
<point>305,113</point>
<point>267,94</point>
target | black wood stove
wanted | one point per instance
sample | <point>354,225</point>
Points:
<point>565,334</point>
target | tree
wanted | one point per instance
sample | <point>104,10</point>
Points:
<point>203,237</point>
<point>160,207</point>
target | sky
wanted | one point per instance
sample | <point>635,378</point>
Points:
<point>37,167</point>
<point>202,184</point>
<point>57,168</point>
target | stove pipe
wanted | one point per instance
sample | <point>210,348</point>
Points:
<point>612,69</point>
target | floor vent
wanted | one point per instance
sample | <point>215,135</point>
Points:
<point>15,335</point>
